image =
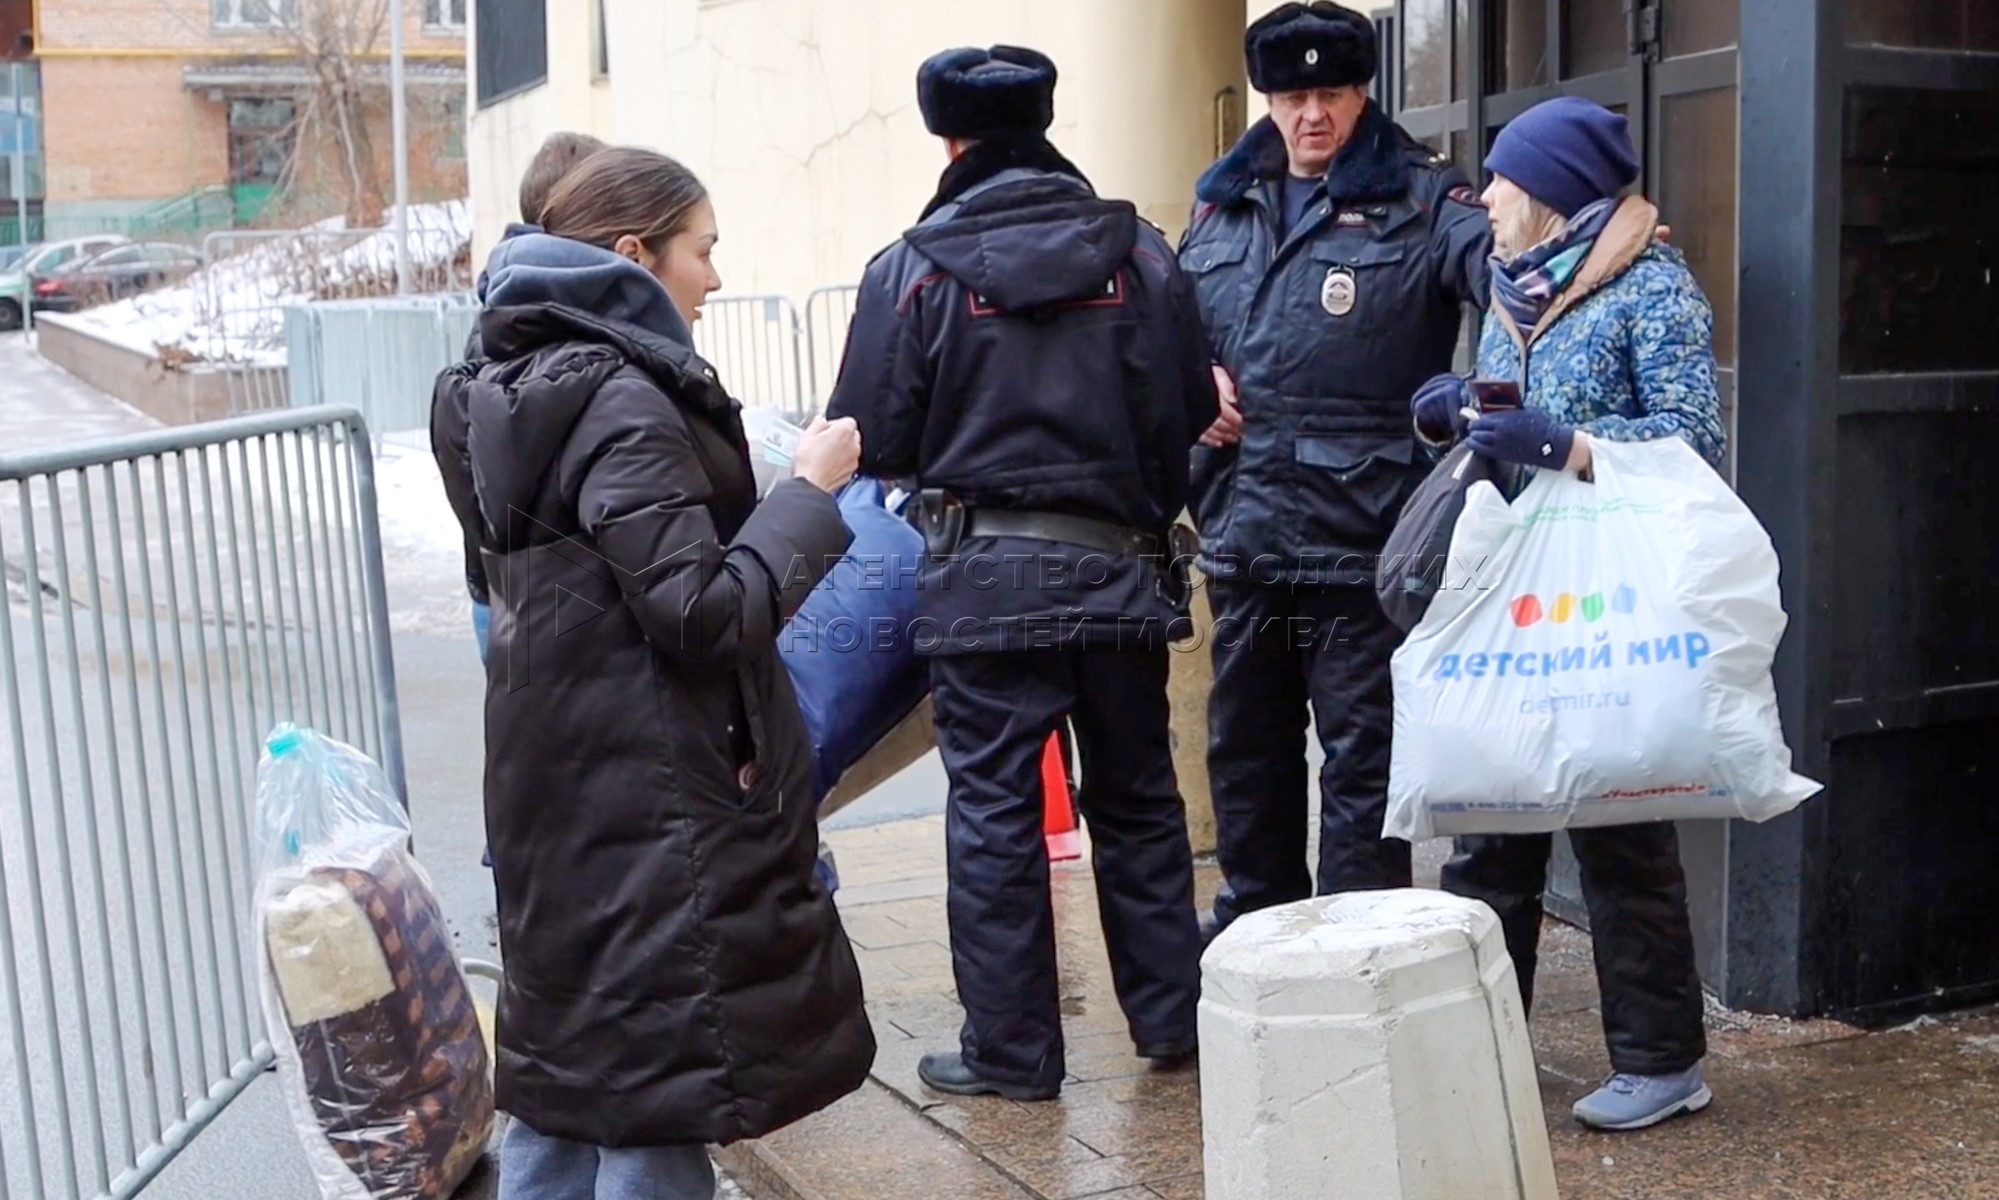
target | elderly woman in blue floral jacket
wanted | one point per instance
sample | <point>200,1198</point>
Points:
<point>1608,336</point>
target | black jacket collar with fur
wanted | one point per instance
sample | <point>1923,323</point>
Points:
<point>1371,168</point>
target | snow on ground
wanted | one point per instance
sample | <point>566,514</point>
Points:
<point>423,554</point>
<point>233,309</point>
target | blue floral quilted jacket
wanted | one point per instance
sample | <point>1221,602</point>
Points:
<point>1631,362</point>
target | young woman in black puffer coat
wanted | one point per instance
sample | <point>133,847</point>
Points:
<point>675,977</point>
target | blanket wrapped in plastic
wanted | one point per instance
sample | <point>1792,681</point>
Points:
<point>850,649</point>
<point>383,1064</point>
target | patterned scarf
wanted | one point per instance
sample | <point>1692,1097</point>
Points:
<point>1526,286</point>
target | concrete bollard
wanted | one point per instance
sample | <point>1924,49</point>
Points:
<point>1369,1047</point>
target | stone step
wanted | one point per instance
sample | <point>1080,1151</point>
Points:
<point>867,1146</point>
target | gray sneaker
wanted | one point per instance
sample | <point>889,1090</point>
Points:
<point>1630,1102</point>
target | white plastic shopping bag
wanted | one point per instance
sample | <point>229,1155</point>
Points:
<point>377,1039</point>
<point>1599,655</point>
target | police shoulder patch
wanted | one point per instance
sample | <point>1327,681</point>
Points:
<point>1464,194</point>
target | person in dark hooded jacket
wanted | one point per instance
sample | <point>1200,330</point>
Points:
<point>675,975</point>
<point>558,156</point>
<point>1031,356</point>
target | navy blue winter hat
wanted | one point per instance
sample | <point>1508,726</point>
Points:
<point>971,94</point>
<point>1298,47</point>
<point>1567,153</point>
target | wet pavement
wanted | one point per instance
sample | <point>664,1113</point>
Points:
<point>1804,1110</point>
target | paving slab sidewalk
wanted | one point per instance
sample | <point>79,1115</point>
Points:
<point>1804,1110</point>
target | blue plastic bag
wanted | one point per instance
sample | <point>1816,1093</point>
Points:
<point>850,648</point>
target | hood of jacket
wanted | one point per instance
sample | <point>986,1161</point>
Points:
<point>1027,244</point>
<point>561,318</point>
<point>1372,167</point>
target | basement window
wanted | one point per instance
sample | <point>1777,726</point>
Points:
<point>254,14</point>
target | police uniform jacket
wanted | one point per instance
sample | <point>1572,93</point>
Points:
<point>1031,347</point>
<point>1327,331</point>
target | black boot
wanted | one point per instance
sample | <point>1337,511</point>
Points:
<point>946,1071</point>
<point>1170,1055</point>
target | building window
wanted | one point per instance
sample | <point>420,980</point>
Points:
<point>446,15</point>
<point>1432,33</point>
<point>261,136</point>
<point>511,47</point>
<point>254,14</point>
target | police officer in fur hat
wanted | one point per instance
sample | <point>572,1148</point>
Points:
<point>1332,255</point>
<point>1033,357</point>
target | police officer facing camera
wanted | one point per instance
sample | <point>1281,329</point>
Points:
<point>1332,255</point>
<point>1032,355</point>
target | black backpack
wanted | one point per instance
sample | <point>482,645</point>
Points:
<point>1412,564</point>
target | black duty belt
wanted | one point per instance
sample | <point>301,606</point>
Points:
<point>1063,527</point>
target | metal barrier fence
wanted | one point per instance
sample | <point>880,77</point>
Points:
<point>254,276</point>
<point>169,598</point>
<point>380,356</point>
<point>757,344</point>
<point>828,313</point>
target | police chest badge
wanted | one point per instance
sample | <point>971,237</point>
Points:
<point>1338,294</point>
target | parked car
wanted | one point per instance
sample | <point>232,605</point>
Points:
<point>114,274</point>
<point>14,285</point>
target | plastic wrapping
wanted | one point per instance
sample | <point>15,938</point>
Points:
<point>1599,654</point>
<point>383,1063</point>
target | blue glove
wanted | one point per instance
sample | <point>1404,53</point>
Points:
<point>1439,408</point>
<point>1528,436</point>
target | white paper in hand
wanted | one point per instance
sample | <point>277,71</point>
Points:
<point>780,441</point>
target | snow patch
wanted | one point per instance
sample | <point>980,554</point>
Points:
<point>233,309</point>
<point>423,550</point>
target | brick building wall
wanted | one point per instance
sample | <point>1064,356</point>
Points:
<point>126,128</point>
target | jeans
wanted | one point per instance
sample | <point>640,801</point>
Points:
<point>482,622</point>
<point>536,1167</point>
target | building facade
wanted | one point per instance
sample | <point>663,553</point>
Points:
<point>228,108</point>
<point>801,116</point>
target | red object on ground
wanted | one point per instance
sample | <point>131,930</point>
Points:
<point>1058,808</point>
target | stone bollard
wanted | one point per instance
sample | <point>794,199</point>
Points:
<point>1369,1047</point>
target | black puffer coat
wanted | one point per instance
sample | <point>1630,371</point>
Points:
<point>674,973</point>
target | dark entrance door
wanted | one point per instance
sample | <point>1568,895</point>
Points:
<point>1912,713</point>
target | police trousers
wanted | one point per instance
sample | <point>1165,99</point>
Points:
<point>1636,891</point>
<point>994,714</point>
<point>1277,652</point>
